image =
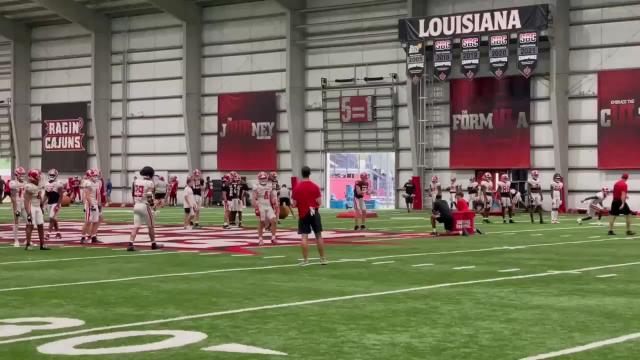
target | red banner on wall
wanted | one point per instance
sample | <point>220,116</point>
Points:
<point>247,138</point>
<point>618,119</point>
<point>356,108</point>
<point>490,123</point>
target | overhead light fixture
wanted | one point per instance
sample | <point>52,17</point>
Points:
<point>349,80</point>
<point>369,79</point>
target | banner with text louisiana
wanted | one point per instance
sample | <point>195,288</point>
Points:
<point>618,119</point>
<point>247,138</point>
<point>490,123</point>
<point>64,144</point>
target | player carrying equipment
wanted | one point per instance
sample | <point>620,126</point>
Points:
<point>53,192</point>
<point>534,189</point>
<point>596,205</point>
<point>143,202</point>
<point>264,202</point>
<point>504,188</point>
<point>16,188</point>
<point>486,196</point>
<point>33,208</point>
<point>556,197</point>
<point>360,190</point>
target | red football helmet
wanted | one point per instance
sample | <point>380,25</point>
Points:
<point>197,173</point>
<point>263,178</point>
<point>53,174</point>
<point>273,176</point>
<point>226,178</point>
<point>19,173</point>
<point>161,178</point>
<point>487,176</point>
<point>364,176</point>
<point>535,174</point>
<point>504,177</point>
<point>434,179</point>
<point>34,176</point>
<point>88,174</point>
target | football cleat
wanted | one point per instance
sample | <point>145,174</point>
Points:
<point>155,246</point>
<point>131,248</point>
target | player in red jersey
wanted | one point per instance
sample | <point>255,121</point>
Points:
<point>360,190</point>
<point>504,189</point>
<point>173,194</point>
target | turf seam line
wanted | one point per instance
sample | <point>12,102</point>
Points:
<point>383,262</point>
<point>84,258</point>
<point>310,302</point>
<point>464,267</point>
<point>606,275</point>
<point>509,270</point>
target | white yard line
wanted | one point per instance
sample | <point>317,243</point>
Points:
<point>586,347</point>
<point>241,255</point>
<point>309,302</point>
<point>595,237</point>
<point>509,270</point>
<point>606,275</point>
<point>382,262</point>
<point>544,229</point>
<point>274,257</point>
<point>464,267</point>
<point>84,258</point>
<point>536,234</point>
<point>420,265</point>
<point>210,253</point>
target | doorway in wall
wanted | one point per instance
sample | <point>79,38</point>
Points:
<point>344,169</point>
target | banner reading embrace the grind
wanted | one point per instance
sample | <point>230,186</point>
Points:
<point>64,144</point>
<point>490,123</point>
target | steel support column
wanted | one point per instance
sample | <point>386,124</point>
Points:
<point>559,86</point>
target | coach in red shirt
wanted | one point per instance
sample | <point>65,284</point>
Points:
<point>619,204</point>
<point>307,198</point>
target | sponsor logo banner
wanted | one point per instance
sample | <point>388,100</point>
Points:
<point>63,137</point>
<point>470,56</point>
<point>247,138</point>
<point>356,109</point>
<point>498,54</point>
<point>527,52</point>
<point>442,58</point>
<point>534,17</point>
<point>490,123</point>
<point>618,119</point>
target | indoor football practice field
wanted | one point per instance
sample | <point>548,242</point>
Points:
<point>520,291</point>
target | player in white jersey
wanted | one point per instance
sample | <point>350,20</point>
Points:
<point>53,193</point>
<point>434,189</point>
<point>160,193</point>
<point>472,189</point>
<point>534,189</point>
<point>16,187</point>
<point>504,188</point>
<point>596,205</point>
<point>197,187</point>
<point>189,204</point>
<point>453,189</point>
<point>556,197</point>
<point>143,202</point>
<point>91,199</point>
<point>33,208</point>
<point>486,196</point>
<point>264,202</point>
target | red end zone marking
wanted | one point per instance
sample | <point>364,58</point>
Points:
<point>206,239</point>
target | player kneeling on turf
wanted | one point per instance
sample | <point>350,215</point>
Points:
<point>33,206</point>
<point>441,213</point>
<point>143,190</point>
<point>264,202</point>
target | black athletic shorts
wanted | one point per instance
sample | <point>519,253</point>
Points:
<point>285,201</point>
<point>447,221</point>
<point>159,196</point>
<point>615,208</point>
<point>309,223</point>
<point>409,199</point>
<point>187,210</point>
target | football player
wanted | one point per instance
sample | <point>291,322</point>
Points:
<point>53,194</point>
<point>198,183</point>
<point>474,198</point>
<point>33,208</point>
<point>173,195</point>
<point>102,202</point>
<point>409,194</point>
<point>91,196</point>
<point>265,201</point>
<point>596,205</point>
<point>244,192</point>
<point>556,197</point>
<point>504,188</point>
<point>453,189</point>
<point>273,179</point>
<point>486,196</point>
<point>189,204</point>
<point>226,182</point>
<point>143,200</point>
<point>360,190</point>
<point>16,187</point>
<point>434,189</point>
<point>534,189</point>
<point>160,194</point>
<point>236,193</point>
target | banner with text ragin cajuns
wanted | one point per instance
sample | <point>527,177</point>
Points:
<point>64,144</point>
<point>490,123</point>
<point>247,138</point>
<point>618,119</point>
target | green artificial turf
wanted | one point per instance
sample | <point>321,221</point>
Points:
<point>379,307</point>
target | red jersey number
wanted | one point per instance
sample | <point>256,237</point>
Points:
<point>138,191</point>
